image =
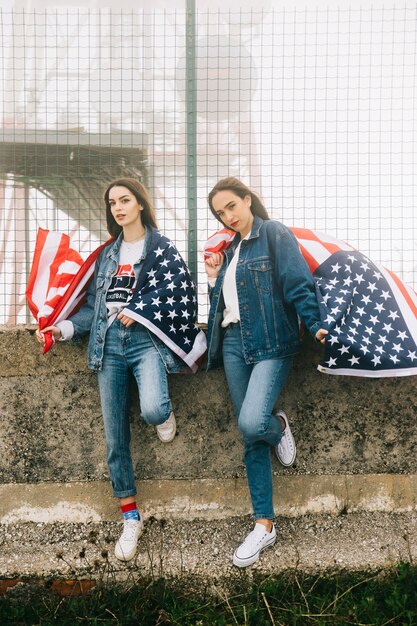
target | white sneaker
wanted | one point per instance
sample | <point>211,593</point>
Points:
<point>285,449</point>
<point>257,540</point>
<point>166,431</point>
<point>126,545</point>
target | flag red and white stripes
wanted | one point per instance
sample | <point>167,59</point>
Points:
<point>58,279</point>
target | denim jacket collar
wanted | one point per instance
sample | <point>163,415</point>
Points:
<point>254,233</point>
<point>256,227</point>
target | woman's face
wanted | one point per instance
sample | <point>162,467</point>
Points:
<point>124,207</point>
<point>233,211</point>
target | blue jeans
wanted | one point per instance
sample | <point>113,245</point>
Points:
<point>254,389</point>
<point>129,351</point>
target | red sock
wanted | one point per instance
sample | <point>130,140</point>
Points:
<point>130,511</point>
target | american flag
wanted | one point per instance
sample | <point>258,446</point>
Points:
<point>164,299</point>
<point>165,302</point>
<point>58,280</point>
<point>371,315</point>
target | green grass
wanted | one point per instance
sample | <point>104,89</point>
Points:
<point>376,599</point>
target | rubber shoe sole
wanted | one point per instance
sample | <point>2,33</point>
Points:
<point>286,435</point>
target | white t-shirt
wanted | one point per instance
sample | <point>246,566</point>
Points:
<point>231,311</point>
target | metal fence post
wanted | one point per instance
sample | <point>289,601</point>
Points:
<point>191,124</point>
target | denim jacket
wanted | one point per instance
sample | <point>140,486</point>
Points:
<point>92,316</point>
<point>275,288</point>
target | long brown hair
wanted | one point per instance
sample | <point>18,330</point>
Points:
<point>239,189</point>
<point>142,196</point>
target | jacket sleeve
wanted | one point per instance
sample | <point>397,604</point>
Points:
<point>211,282</point>
<point>294,276</point>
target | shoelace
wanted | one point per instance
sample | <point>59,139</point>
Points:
<point>288,441</point>
<point>129,530</point>
<point>256,536</point>
<point>166,427</point>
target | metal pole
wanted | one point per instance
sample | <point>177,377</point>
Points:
<point>191,126</point>
<point>27,243</point>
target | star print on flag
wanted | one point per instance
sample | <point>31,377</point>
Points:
<point>165,301</point>
<point>371,315</point>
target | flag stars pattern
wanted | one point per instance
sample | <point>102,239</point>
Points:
<point>368,312</point>
<point>393,315</point>
<point>168,276</point>
<point>355,300</point>
<point>170,309</point>
<point>343,350</point>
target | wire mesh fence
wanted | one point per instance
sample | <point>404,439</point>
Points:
<point>313,108</point>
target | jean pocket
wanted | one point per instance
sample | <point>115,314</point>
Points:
<point>261,274</point>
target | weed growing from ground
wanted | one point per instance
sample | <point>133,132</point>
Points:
<point>363,599</point>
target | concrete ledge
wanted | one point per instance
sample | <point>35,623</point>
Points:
<point>209,499</point>
<point>198,553</point>
<point>51,425</point>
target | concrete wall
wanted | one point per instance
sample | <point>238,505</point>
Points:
<point>347,429</point>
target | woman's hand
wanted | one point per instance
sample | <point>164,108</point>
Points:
<point>56,333</point>
<point>213,264</point>
<point>320,335</point>
<point>126,321</point>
